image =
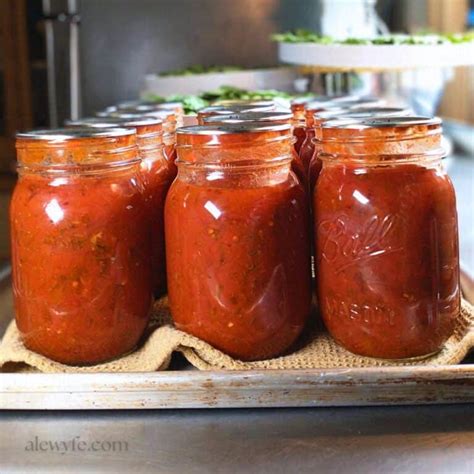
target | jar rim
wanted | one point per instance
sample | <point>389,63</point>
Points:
<point>237,118</point>
<point>131,104</point>
<point>162,114</point>
<point>315,98</point>
<point>229,129</point>
<point>107,122</point>
<point>65,134</point>
<point>257,102</point>
<point>343,102</point>
<point>363,112</point>
<point>223,110</point>
<point>399,121</point>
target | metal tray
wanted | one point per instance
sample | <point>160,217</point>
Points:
<point>185,387</point>
<point>238,389</point>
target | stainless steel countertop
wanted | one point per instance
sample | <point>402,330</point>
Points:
<point>341,440</point>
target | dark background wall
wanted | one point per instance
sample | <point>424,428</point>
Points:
<point>121,40</point>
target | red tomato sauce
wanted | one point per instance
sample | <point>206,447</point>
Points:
<point>158,171</point>
<point>387,255</point>
<point>80,252</point>
<point>238,246</point>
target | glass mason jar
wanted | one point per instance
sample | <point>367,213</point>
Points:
<point>232,109</point>
<point>237,240</point>
<point>335,105</point>
<point>386,238</point>
<point>145,108</point>
<point>297,107</point>
<point>269,117</point>
<point>170,123</point>
<point>81,244</point>
<point>321,122</point>
<point>157,174</point>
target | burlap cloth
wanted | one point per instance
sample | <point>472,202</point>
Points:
<point>316,349</point>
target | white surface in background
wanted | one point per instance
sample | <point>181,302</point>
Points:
<point>377,57</point>
<point>362,22</point>
<point>281,78</point>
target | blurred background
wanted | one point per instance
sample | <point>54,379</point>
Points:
<point>63,59</point>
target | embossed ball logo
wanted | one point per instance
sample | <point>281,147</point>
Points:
<point>341,246</point>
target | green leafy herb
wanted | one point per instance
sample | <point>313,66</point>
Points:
<point>306,36</point>
<point>199,69</point>
<point>193,103</point>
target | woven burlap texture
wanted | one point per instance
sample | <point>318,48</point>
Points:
<point>316,349</point>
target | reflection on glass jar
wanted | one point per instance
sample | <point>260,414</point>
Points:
<point>80,244</point>
<point>237,240</point>
<point>357,112</point>
<point>386,238</point>
<point>268,117</point>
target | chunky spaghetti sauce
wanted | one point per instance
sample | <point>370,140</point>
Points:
<point>237,240</point>
<point>81,244</point>
<point>157,173</point>
<point>386,238</point>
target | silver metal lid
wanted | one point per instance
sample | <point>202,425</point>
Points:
<point>226,110</point>
<point>63,134</point>
<point>315,98</point>
<point>343,101</point>
<point>249,102</point>
<point>265,116</point>
<point>227,129</point>
<point>159,114</point>
<point>363,99</point>
<point>147,104</point>
<point>363,112</point>
<point>380,122</point>
<point>107,122</point>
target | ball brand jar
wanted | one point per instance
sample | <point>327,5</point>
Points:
<point>298,107</point>
<point>336,105</point>
<point>144,107</point>
<point>386,238</point>
<point>274,117</point>
<point>81,244</point>
<point>232,109</point>
<point>322,121</point>
<point>157,174</point>
<point>169,119</point>
<point>237,240</point>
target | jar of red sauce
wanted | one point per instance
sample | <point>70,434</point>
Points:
<point>386,238</point>
<point>232,109</point>
<point>273,117</point>
<point>298,107</point>
<point>81,244</point>
<point>157,174</point>
<point>145,107</point>
<point>237,240</point>
<point>321,118</point>
<point>170,123</point>
<point>335,105</point>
